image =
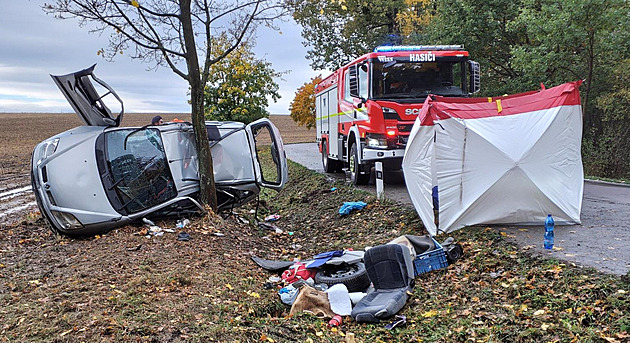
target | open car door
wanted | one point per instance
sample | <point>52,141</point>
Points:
<point>85,99</point>
<point>270,160</point>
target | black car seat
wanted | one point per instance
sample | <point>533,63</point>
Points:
<point>390,270</point>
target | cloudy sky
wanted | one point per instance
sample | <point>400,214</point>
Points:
<point>34,45</point>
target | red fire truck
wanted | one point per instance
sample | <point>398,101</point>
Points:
<point>366,109</point>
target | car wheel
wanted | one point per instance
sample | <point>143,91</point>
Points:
<point>330,165</point>
<point>357,174</point>
<point>354,276</point>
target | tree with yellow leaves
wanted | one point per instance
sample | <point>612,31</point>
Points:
<point>302,108</point>
<point>239,86</point>
<point>415,16</point>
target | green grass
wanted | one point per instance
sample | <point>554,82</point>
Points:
<point>209,290</point>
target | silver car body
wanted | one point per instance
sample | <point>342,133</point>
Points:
<point>93,178</point>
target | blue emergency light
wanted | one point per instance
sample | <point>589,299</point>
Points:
<point>392,48</point>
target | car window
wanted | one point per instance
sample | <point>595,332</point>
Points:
<point>363,81</point>
<point>346,86</point>
<point>138,167</point>
<point>267,154</point>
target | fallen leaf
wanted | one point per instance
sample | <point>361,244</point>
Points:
<point>429,314</point>
<point>544,327</point>
<point>539,312</point>
<point>228,286</point>
<point>65,332</point>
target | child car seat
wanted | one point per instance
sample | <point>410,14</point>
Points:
<point>390,270</point>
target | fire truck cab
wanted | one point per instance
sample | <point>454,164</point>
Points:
<point>366,109</point>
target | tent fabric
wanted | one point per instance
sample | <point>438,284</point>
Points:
<point>504,160</point>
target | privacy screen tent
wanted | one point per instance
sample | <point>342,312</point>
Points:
<point>503,160</point>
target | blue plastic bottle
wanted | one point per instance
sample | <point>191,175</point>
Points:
<point>549,232</point>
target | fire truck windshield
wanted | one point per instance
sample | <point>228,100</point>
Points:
<point>414,80</point>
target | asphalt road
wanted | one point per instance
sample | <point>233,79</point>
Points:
<point>600,242</point>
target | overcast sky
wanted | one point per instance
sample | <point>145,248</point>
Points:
<point>34,45</point>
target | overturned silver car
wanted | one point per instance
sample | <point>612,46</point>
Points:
<point>95,177</point>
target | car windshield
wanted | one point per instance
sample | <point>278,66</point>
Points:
<point>400,80</point>
<point>138,167</point>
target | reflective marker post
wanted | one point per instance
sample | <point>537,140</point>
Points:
<point>379,180</point>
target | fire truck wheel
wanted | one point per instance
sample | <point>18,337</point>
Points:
<point>330,165</point>
<point>354,276</point>
<point>357,170</point>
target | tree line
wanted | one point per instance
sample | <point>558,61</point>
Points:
<point>519,44</point>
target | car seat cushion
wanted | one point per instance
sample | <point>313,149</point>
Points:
<point>390,270</point>
<point>389,266</point>
<point>380,305</point>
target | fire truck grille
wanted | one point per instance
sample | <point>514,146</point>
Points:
<point>404,127</point>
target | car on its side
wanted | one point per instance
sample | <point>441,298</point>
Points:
<point>93,178</point>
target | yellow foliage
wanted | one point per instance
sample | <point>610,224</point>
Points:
<point>302,108</point>
<point>416,16</point>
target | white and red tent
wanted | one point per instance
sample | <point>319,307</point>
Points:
<point>503,160</point>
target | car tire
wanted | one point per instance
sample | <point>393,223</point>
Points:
<point>354,276</point>
<point>330,165</point>
<point>357,172</point>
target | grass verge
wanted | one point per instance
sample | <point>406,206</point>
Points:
<point>123,286</point>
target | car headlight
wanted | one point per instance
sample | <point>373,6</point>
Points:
<point>376,141</point>
<point>46,149</point>
<point>67,220</point>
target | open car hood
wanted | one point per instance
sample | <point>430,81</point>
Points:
<point>85,100</point>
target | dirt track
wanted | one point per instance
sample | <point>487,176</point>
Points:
<point>16,197</point>
<point>600,242</point>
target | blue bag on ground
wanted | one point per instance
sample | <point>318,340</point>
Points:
<point>347,207</point>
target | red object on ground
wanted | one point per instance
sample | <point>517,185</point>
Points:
<point>297,272</point>
<point>335,321</point>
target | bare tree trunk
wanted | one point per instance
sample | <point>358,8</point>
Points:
<point>208,193</point>
<point>206,171</point>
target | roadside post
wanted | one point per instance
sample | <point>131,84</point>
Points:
<point>380,194</point>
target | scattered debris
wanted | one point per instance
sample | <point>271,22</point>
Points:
<point>347,207</point>
<point>399,320</point>
<point>182,223</point>
<point>272,218</point>
<point>335,321</point>
<point>136,248</point>
<point>271,227</point>
<point>183,236</point>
